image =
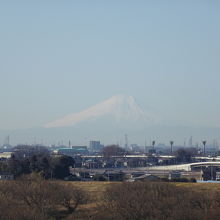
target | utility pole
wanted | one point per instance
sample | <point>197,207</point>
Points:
<point>153,144</point>
<point>171,147</point>
<point>204,143</point>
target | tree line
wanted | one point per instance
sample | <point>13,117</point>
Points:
<point>32,197</point>
<point>157,201</point>
<point>28,159</point>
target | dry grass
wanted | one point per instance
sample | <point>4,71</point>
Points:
<point>96,189</point>
<point>200,186</point>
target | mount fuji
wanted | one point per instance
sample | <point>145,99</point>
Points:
<point>109,121</point>
<point>118,109</point>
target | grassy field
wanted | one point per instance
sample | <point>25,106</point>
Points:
<point>96,189</point>
<point>99,204</point>
<point>200,186</point>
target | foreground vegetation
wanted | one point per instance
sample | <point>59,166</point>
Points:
<point>32,197</point>
<point>36,159</point>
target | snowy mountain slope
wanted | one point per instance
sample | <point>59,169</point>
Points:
<point>121,107</point>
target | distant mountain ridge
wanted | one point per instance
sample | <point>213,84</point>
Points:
<point>120,107</point>
<point>109,121</point>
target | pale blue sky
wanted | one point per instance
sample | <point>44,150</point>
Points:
<point>59,57</point>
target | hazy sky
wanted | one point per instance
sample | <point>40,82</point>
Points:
<point>59,57</point>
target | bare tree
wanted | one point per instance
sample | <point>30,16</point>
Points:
<point>143,201</point>
<point>44,197</point>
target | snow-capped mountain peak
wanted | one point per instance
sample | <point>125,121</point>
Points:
<point>121,107</point>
